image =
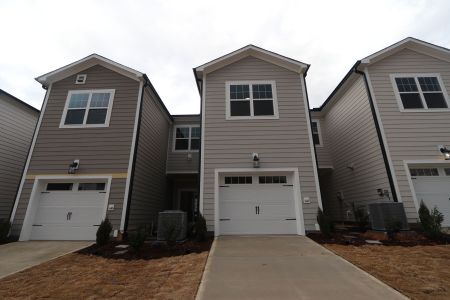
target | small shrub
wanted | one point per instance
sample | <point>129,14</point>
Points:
<point>137,238</point>
<point>393,226</point>
<point>103,233</point>
<point>5,226</point>
<point>325,223</point>
<point>171,234</point>
<point>431,221</point>
<point>361,216</point>
<point>200,230</point>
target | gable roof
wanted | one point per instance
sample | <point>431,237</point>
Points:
<point>87,62</point>
<point>251,50</point>
<point>407,43</point>
<point>19,101</point>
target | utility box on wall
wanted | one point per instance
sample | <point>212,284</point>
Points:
<point>172,222</point>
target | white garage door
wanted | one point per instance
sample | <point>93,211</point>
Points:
<point>432,186</point>
<point>69,211</point>
<point>261,204</point>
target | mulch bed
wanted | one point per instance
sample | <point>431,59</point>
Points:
<point>150,250</point>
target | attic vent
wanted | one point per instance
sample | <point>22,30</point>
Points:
<point>81,79</point>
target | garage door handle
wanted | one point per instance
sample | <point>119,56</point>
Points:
<point>37,225</point>
<point>290,219</point>
<point>96,225</point>
<point>288,185</point>
<point>225,219</point>
<point>224,186</point>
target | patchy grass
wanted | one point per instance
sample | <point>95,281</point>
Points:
<point>419,272</point>
<point>81,276</point>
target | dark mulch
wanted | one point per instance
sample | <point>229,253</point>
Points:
<point>150,250</point>
<point>357,239</point>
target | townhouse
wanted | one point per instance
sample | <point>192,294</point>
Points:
<point>256,160</point>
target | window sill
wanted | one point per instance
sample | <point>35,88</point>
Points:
<point>422,110</point>
<point>252,118</point>
<point>85,126</point>
<point>185,151</point>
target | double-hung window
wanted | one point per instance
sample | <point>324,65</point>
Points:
<point>87,108</point>
<point>420,92</point>
<point>315,128</point>
<point>186,138</point>
<point>251,100</point>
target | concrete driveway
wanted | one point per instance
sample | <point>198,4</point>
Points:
<point>284,267</point>
<point>15,257</point>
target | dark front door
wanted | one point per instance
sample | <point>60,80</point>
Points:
<point>188,201</point>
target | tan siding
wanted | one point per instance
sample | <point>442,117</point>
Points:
<point>17,124</point>
<point>149,195</point>
<point>410,136</point>
<point>100,150</point>
<point>280,143</point>
<point>350,131</point>
<point>178,162</point>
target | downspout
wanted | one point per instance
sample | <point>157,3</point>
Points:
<point>133,166</point>
<point>310,125</point>
<point>199,87</point>
<point>28,153</point>
<point>377,127</point>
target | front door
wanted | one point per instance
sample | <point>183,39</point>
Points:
<point>188,202</point>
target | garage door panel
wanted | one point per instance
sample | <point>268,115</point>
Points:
<point>241,226</point>
<point>59,215</point>
<point>73,233</point>
<point>237,209</point>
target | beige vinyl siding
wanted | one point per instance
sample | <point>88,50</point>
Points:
<point>178,162</point>
<point>323,150</point>
<point>100,150</point>
<point>17,123</point>
<point>281,143</point>
<point>410,135</point>
<point>351,134</point>
<point>149,191</point>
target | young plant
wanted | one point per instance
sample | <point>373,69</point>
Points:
<point>361,217</point>
<point>5,226</point>
<point>103,233</point>
<point>171,234</point>
<point>200,229</point>
<point>137,238</point>
<point>325,223</point>
<point>431,221</point>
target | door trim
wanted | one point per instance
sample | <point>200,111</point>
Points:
<point>39,181</point>
<point>296,190</point>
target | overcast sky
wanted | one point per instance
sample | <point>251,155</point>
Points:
<point>166,39</point>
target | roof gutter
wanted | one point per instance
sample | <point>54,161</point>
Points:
<point>377,127</point>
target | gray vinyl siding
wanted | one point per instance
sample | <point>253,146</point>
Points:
<point>352,139</point>
<point>100,150</point>
<point>149,192</point>
<point>410,135</point>
<point>323,150</point>
<point>178,162</point>
<point>281,143</point>
<point>17,123</point>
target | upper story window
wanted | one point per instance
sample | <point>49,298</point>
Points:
<point>87,109</point>
<point>317,139</point>
<point>186,138</point>
<point>251,100</point>
<point>420,92</point>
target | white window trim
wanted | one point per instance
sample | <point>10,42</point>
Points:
<point>425,107</point>
<point>251,117</point>
<point>174,138</point>
<point>319,131</point>
<point>84,125</point>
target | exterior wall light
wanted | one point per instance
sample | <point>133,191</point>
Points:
<point>255,160</point>
<point>445,151</point>
<point>74,166</point>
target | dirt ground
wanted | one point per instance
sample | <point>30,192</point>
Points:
<point>419,272</point>
<point>79,276</point>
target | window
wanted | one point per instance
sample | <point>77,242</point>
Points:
<point>246,100</point>
<point>272,179</point>
<point>187,138</point>
<point>88,108</point>
<point>238,180</point>
<point>447,171</point>
<point>59,186</point>
<point>91,186</point>
<point>81,79</point>
<point>317,139</point>
<point>424,172</point>
<point>420,92</point>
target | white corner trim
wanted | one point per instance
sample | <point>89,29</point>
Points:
<point>251,100</point>
<point>311,143</point>
<point>420,92</point>
<point>383,135</point>
<point>30,153</point>
<point>30,214</point>
<point>202,143</point>
<point>411,185</point>
<point>296,190</point>
<point>174,137</point>
<point>130,161</point>
<point>87,108</point>
<point>319,131</point>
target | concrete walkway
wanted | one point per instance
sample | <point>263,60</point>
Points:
<point>284,267</point>
<point>15,257</point>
